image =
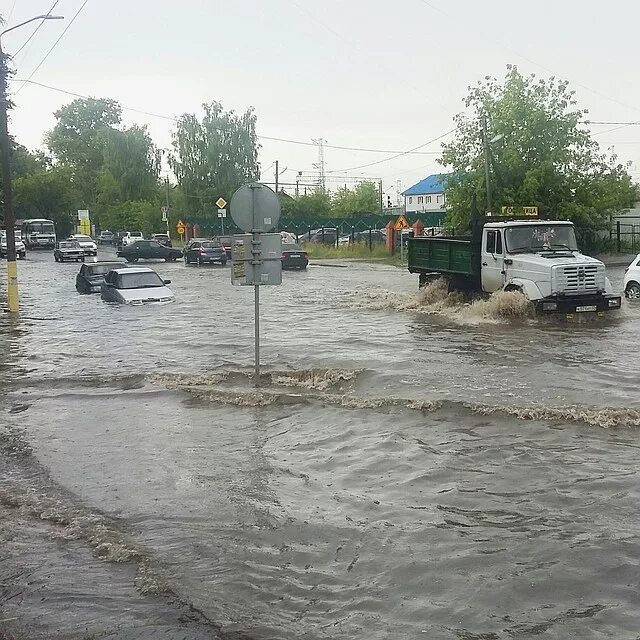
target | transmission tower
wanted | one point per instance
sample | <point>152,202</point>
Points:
<point>322,179</point>
<point>399,192</point>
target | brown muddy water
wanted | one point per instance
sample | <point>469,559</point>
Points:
<point>411,466</point>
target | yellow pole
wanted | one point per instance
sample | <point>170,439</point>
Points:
<point>12,286</point>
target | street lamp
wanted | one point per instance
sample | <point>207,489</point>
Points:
<point>5,162</point>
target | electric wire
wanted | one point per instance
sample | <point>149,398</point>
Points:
<point>35,31</point>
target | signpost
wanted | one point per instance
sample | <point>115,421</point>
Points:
<point>520,211</point>
<point>256,255</point>
<point>180,228</point>
<point>85,222</point>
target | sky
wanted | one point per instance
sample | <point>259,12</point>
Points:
<point>367,74</point>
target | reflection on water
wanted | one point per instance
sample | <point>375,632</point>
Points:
<point>401,474</point>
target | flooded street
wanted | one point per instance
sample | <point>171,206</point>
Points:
<point>411,467</point>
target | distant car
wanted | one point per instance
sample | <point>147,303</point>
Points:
<point>162,238</point>
<point>135,285</point>
<point>632,279</point>
<point>89,247</point>
<point>106,237</point>
<point>205,251</point>
<point>91,275</point>
<point>328,235</point>
<point>21,250</point>
<point>68,250</point>
<point>148,250</point>
<point>362,237</point>
<point>288,238</point>
<point>293,257</point>
<point>225,241</point>
<point>129,237</point>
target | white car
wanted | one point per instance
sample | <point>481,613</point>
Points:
<point>131,236</point>
<point>87,244</point>
<point>135,285</point>
<point>632,279</point>
<point>21,250</point>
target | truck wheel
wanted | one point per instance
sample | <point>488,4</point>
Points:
<point>632,291</point>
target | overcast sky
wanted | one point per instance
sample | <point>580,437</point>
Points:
<point>358,73</point>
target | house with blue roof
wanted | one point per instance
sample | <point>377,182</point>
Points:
<point>428,195</point>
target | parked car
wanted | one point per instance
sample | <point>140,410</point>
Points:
<point>148,250</point>
<point>225,241</point>
<point>205,251</point>
<point>135,285</point>
<point>21,250</point>
<point>129,237</point>
<point>162,238</point>
<point>68,250</point>
<point>328,235</point>
<point>632,279</point>
<point>91,275</point>
<point>106,237</point>
<point>293,257</point>
<point>378,236</point>
<point>87,244</point>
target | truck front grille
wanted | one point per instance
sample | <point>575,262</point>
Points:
<point>581,278</point>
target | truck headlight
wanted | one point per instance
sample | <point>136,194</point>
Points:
<point>549,306</point>
<point>614,302</point>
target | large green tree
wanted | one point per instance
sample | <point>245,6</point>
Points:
<point>308,207</point>
<point>541,154</point>
<point>364,198</point>
<point>214,155</point>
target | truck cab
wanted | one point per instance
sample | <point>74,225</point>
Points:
<point>539,258</point>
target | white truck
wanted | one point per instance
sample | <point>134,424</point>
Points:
<point>539,258</point>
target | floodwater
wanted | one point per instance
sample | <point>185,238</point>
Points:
<point>411,467</point>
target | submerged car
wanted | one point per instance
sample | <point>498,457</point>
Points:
<point>21,249</point>
<point>148,250</point>
<point>135,285</point>
<point>91,275</point>
<point>632,279</point>
<point>107,237</point>
<point>162,238</point>
<point>87,244</point>
<point>293,257</point>
<point>205,251</point>
<point>68,250</point>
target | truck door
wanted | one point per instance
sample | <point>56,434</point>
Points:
<point>492,261</point>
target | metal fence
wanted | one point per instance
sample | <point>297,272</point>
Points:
<point>626,234</point>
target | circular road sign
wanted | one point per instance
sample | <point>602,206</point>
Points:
<point>255,207</point>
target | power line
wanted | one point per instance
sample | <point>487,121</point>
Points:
<point>53,46</point>
<point>398,155</point>
<point>13,6</point>
<point>174,119</point>
<point>33,33</point>
<point>492,41</point>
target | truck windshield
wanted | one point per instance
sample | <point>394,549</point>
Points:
<point>541,237</point>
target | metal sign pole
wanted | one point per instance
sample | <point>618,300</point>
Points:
<point>256,320</point>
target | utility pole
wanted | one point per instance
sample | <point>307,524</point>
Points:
<point>5,170</point>
<point>380,196</point>
<point>487,177</point>
<point>277,177</point>
<point>166,184</point>
<point>298,183</point>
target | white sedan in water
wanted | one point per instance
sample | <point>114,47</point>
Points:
<point>632,279</point>
<point>87,244</point>
<point>135,285</point>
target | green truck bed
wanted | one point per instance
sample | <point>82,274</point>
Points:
<point>442,255</point>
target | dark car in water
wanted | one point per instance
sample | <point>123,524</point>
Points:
<point>293,257</point>
<point>148,250</point>
<point>68,250</point>
<point>205,252</point>
<point>92,274</point>
<point>162,238</point>
<point>106,237</point>
<point>326,235</point>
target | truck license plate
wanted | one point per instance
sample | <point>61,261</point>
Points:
<point>591,307</point>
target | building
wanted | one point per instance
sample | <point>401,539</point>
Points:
<point>427,196</point>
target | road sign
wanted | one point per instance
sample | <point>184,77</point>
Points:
<point>180,228</point>
<point>256,262</point>
<point>83,214</point>
<point>221,203</point>
<point>165,211</point>
<point>255,208</point>
<point>401,223</point>
<point>222,213</point>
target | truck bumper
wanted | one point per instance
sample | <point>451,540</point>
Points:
<point>582,304</point>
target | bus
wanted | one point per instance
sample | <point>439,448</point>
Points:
<point>38,233</point>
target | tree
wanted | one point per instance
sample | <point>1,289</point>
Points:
<point>364,198</point>
<point>545,156</point>
<point>215,155</point>
<point>308,207</point>
<point>47,194</point>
